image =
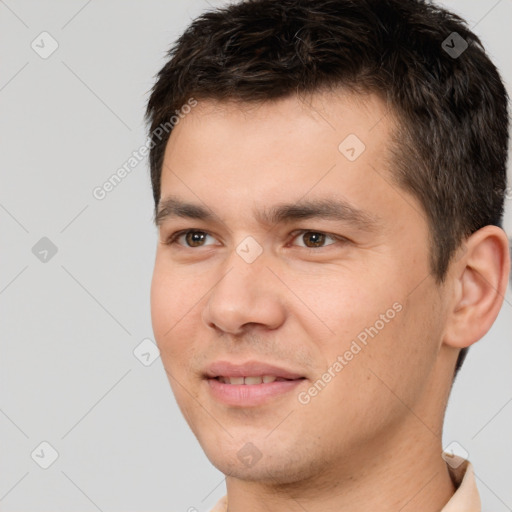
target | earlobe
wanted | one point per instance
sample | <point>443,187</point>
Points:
<point>481,278</point>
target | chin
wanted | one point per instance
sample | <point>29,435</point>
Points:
<point>251,465</point>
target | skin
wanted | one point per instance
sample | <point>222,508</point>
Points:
<point>346,449</point>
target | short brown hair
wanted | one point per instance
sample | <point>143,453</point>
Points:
<point>451,145</point>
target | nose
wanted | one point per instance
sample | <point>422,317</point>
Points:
<point>246,294</point>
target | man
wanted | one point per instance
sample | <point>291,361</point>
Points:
<point>329,181</point>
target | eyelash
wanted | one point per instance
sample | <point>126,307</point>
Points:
<point>173,239</point>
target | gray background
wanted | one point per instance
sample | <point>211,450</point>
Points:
<point>69,325</point>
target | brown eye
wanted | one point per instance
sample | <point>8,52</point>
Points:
<point>314,239</point>
<point>193,238</point>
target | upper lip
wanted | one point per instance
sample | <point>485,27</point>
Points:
<point>248,369</point>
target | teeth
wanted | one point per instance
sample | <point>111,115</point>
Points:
<point>249,381</point>
<point>253,380</point>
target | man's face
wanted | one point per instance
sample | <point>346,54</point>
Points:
<point>346,301</point>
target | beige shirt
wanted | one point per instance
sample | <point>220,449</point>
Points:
<point>465,499</point>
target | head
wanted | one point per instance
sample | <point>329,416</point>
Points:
<point>290,107</point>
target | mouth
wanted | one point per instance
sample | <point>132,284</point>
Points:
<point>253,381</point>
<point>250,384</point>
<point>252,391</point>
<point>250,370</point>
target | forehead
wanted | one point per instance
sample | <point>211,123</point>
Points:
<point>336,110</point>
<point>238,155</point>
<point>282,136</point>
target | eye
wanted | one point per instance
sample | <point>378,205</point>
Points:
<point>193,238</point>
<point>315,239</point>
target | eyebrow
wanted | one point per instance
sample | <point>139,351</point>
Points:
<point>330,209</point>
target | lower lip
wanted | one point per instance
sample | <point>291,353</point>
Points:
<point>245,395</point>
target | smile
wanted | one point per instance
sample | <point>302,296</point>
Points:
<point>251,381</point>
<point>252,391</point>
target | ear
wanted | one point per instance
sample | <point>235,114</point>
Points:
<point>479,282</point>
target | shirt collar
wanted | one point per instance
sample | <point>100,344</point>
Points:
<point>466,497</point>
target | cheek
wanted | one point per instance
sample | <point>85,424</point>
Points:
<point>367,320</point>
<point>175,313</point>
<point>344,303</point>
<point>168,316</point>
<point>170,299</point>
<point>161,303</point>
<point>399,355</point>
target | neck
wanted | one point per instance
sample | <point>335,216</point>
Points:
<point>408,476</point>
